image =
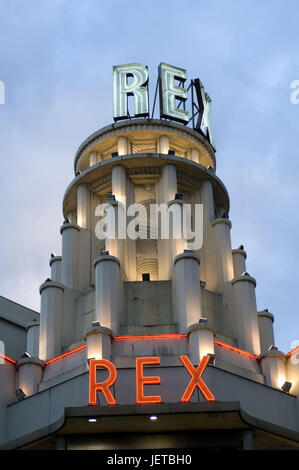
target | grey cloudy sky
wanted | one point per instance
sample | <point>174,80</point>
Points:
<point>56,59</point>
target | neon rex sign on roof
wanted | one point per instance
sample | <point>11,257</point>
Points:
<point>132,80</point>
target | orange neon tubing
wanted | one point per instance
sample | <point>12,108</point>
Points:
<point>68,353</point>
<point>104,387</point>
<point>196,380</point>
<point>141,399</point>
<point>162,336</point>
<point>292,351</point>
<point>237,350</point>
<point>7,358</point>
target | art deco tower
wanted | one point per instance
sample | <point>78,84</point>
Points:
<point>122,299</point>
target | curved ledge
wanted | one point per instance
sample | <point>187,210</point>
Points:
<point>142,124</point>
<point>106,258</point>
<point>30,360</point>
<point>278,354</point>
<point>186,254</point>
<point>95,330</point>
<point>51,284</point>
<point>198,326</point>
<point>55,258</point>
<point>221,221</point>
<point>237,251</point>
<point>65,226</point>
<point>265,313</point>
<point>243,279</point>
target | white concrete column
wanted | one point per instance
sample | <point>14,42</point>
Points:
<point>83,206</point>
<point>207,252</point>
<point>93,158</point>
<point>123,146</point>
<point>70,248</point>
<point>107,291</point>
<point>193,154</point>
<point>273,368</point>
<point>50,319</point>
<point>239,262</point>
<point>168,183</point>
<point>224,260</point>
<point>186,290</point>
<point>246,313</point>
<point>266,320</point>
<point>201,341</point>
<point>33,338</point>
<point>119,182</point>
<point>117,246</point>
<point>163,144</point>
<point>167,191</point>
<point>98,342</point>
<point>30,375</point>
<point>176,245</point>
<point>55,265</point>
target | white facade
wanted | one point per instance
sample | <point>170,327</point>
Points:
<point>95,305</point>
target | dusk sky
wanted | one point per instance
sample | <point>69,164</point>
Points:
<point>56,59</point>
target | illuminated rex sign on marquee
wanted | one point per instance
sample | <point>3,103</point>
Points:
<point>142,381</point>
<point>132,80</point>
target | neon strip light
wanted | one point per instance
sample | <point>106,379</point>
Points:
<point>9,359</point>
<point>145,337</point>
<point>61,356</point>
<point>237,350</point>
<point>163,336</point>
<point>293,350</point>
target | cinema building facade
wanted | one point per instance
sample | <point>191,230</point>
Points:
<point>146,344</point>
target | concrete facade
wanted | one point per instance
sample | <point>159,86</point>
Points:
<point>196,303</point>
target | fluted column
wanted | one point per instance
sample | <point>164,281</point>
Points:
<point>93,158</point>
<point>246,313</point>
<point>266,320</point>
<point>201,341</point>
<point>50,319</point>
<point>167,192</point>
<point>33,338</point>
<point>207,252</point>
<point>239,261</point>
<point>186,290</point>
<point>107,292</point>
<point>123,146</point>
<point>83,206</point>
<point>163,144</point>
<point>55,265</point>
<point>70,246</point>
<point>225,271</point>
<point>273,367</point>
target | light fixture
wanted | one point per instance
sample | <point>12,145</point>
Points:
<point>203,284</point>
<point>20,394</point>
<point>273,348</point>
<point>48,280</point>
<point>66,221</point>
<point>92,420</point>
<point>178,197</point>
<point>245,274</point>
<point>111,198</point>
<point>53,255</point>
<point>171,152</point>
<point>114,154</point>
<point>153,418</point>
<point>104,253</point>
<point>241,247</point>
<point>286,386</point>
<point>202,320</point>
<point>146,277</point>
<point>95,323</point>
<point>25,355</point>
<point>210,168</point>
<point>212,359</point>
